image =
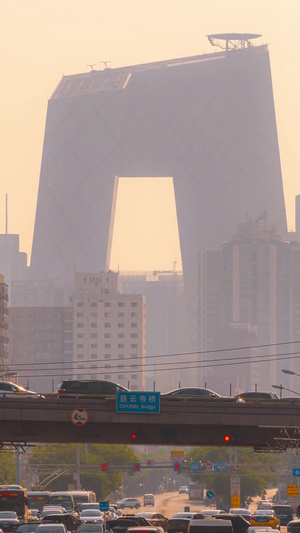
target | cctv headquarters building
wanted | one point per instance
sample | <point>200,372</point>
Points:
<point>207,121</point>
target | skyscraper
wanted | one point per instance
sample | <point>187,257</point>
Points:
<point>207,121</point>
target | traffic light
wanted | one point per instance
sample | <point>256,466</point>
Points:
<point>150,462</point>
<point>104,467</point>
<point>133,436</point>
<point>177,466</point>
<point>227,438</point>
<point>137,467</point>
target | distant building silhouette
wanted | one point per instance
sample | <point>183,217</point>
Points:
<point>250,285</point>
<point>208,121</point>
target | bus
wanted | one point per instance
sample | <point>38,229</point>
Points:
<point>63,498</point>
<point>37,499</point>
<point>14,499</point>
<point>83,496</point>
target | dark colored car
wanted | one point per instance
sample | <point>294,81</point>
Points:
<point>239,524</point>
<point>284,512</point>
<point>178,525</point>
<point>210,525</point>
<point>69,520</point>
<point>9,521</point>
<point>256,395</point>
<point>30,527</point>
<point>120,525</point>
<point>93,528</point>
<point>96,386</point>
<point>156,519</point>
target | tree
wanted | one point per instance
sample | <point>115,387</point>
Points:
<point>48,459</point>
<point>7,468</point>
<point>250,467</point>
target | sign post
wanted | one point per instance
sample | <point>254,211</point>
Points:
<point>235,483</point>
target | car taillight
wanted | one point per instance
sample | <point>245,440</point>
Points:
<point>61,390</point>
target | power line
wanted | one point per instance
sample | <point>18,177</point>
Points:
<point>177,354</point>
<point>134,370</point>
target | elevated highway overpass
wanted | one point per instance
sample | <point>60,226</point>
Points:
<point>263,423</point>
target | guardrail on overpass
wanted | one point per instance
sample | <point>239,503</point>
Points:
<point>263,423</point>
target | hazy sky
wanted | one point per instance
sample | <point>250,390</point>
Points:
<point>41,40</point>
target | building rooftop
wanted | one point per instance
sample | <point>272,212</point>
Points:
<point>116,79</point>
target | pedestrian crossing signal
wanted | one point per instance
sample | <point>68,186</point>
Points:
<point>137,467</point>
<point>104,467</point>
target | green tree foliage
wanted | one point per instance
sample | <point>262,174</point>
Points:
<point>256,472</point>
<point>7,468</point>
<point>48,459</point>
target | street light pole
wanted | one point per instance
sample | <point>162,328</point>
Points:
<point>281,388</point>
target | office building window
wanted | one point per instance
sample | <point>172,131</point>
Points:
<point>107,304</point>
<point>79,345</point>
<point>107,325</point>
<point>107,376</point>
<point>79,324</point>
<point>79,304</point>
<point>93,356</point>
<point>79,335</point>
<point>107,345</point>
<point>121,345</point>
<point>134,346</point>
<point>133,324</point>
<point>108,314</point>
<point>80,356</point>
<point>134,335</point>
<point>93,304</point>
<point>134,304</point>
<point>94,315</point>
<point>121,335</point>
<point>93,325</point>
<point>79,314</point>
<point>107,335</point>
<point>121,314</point>
<point>134,376</point>
<point>94,335</point>
<point>121,304</point>
<point>107,356</point>
<point>93,346</point>
<point>121,325</point>
<point>120,376</point>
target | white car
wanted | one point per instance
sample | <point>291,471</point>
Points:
<point>91,515</point>
<point>131,503</point>
<point>9,389</point>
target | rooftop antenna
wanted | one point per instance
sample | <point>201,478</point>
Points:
<point>92,66</point>
<point>6,215</point>
<point>105,63</point>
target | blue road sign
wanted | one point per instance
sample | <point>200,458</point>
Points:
<point>296,472</point>
<point>138,402</point>
<point>220,467</point>
<point>210,494</point>
<point>104,506</point>
<point>194,467</point>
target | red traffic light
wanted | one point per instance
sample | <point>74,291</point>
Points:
<point>133,436</point>
<point>104,467</point>
<point>177,466</point>
<point>137,466</point>
<point>227,438</point>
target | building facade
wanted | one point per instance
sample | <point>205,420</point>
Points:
<point>207,121</point>
<point>4,360</point>
<point>250,284</point>
<point>109,331</point>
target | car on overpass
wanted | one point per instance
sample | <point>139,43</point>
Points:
<point>256,395</point>
<point>192,392</point>
<point>11,390</point>
<point>95,386</point>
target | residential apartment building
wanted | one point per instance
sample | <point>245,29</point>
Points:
<point>109,331</point>
<point>41,346</point>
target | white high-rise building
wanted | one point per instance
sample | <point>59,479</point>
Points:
<point>109,331</point>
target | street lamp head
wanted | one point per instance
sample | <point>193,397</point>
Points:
<point>277,387</point>
<point>290,372</point>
